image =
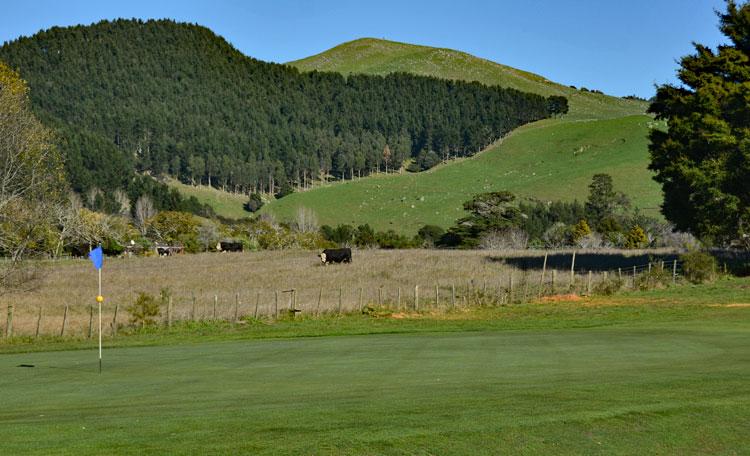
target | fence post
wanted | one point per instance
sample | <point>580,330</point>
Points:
<point>573,271</point>
<point>416,298</point>
<point>91,320</point>
<point>541,280</point>
<point>674,271</point>
<point>359,300</point>
<point>9,322</point>
<point>294,298</point>
<point>340,297</point>
<point>257,303</point>
<point>320,297</point>
<point>453,296</point>
<point>510,288</point>
<point>635,273</point>
<point>619,274</point>
<point>38,322</point>
<point>169,312</point>
<point>398,298</point>
<point>216,301</point>
<point>276,304</point>
<point>114,321</point>
<point>380,296</point>
<point>192,312</point>
<point>236,307</point>
<point>437,296</point>
<point>588,285</point>
<point>65,321</point>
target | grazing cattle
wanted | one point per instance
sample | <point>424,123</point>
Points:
<point>336,256</point>
<point>230,246</point>
<point>168,250</point>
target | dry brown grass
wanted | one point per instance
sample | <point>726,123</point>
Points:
<point>256,276</point>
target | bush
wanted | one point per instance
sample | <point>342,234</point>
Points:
<point>609,286</point>
<point>145,309</point>
<point>430,234</point>
<point>658,277</point>
<point>254,203</point>
<point>698,267</point>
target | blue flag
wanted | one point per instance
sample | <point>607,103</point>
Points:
<point>97,257</point>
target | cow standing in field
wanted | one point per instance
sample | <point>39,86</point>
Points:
<point>229,246</point>
<point>336,256</point>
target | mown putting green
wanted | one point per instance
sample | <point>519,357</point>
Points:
<point>636,388</point>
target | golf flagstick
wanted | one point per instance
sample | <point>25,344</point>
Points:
<point>97,258</point>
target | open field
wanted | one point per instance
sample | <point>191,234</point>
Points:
<point>661,372</point>
<point>255,277</point>
<point>548,160</point>
<point>374,56</point>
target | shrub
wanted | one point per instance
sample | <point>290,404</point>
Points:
<point>254,203</point>
<point>658,277</point>
<point>430,234</point>
<point>609,286</point>
<point>145,309</point>
<point>698,267</point>
<point>636,238</point>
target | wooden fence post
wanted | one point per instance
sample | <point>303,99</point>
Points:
<point>635,269</point>
<point>398,298</point>
<point>437,296</point>
<point>192,312</point>
<point>91,320</point>
<point>257,303</point>
<point>38,322</point>
<point>359,301</point>
<point>340,297</point>
<point>453,296</point>
<point>510,288</point>
<point>9,322</point>
<point>588,284</point>
<point>216,301</point>
<point>169,312</point>
<point>65,321</point>
<point>114,320</point>
<point>276,304</point>
<point>320,297</point>
<point>541,280</point>
<point>619,274</point>
<point>380,296</point>
<point>236,307</point>
<point>416,298</point>
<point>674,271</point>
<point>573,271</point>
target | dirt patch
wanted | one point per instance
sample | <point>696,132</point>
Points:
<point>399,316</point>
<point>562,298</point>
<point>734,304</point>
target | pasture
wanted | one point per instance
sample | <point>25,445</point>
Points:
<point>257,284</point>
<point>660,372</point>
<point>547,160</point>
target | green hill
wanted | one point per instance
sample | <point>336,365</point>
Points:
<point>374,56</point>
<point>549,160</point>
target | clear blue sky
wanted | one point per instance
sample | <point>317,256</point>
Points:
<point>620,47</point>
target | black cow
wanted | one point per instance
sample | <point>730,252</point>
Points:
<point>230,246</point>
<point>336,256</point>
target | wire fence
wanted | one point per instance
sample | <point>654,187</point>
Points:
<point>236,306</point>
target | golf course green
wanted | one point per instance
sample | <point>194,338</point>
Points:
<point>644,387</point>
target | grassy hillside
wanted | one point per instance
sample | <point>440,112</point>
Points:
<point>550,160</point>
<point>225,204</point>
<point>374,56</point>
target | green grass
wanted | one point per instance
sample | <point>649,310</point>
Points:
<point>374,56</point>
<point>647,373</point>
<point>550,160</point>
<point>225,204</point>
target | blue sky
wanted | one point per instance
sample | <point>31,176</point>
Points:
<point>620,47</point>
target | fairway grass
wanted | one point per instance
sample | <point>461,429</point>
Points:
<point>662,372</point>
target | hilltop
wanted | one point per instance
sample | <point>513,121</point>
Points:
<point>381,57</point>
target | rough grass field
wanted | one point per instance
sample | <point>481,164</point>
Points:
<point>663,372</point>
<point>548,160</point>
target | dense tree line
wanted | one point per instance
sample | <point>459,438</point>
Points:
<point>162,98</point>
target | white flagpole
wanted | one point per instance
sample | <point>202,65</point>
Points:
<point>99,300</point>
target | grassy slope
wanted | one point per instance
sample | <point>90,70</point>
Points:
<point>552,159</point>
<point>224,203</point>
<point>647,375</point>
